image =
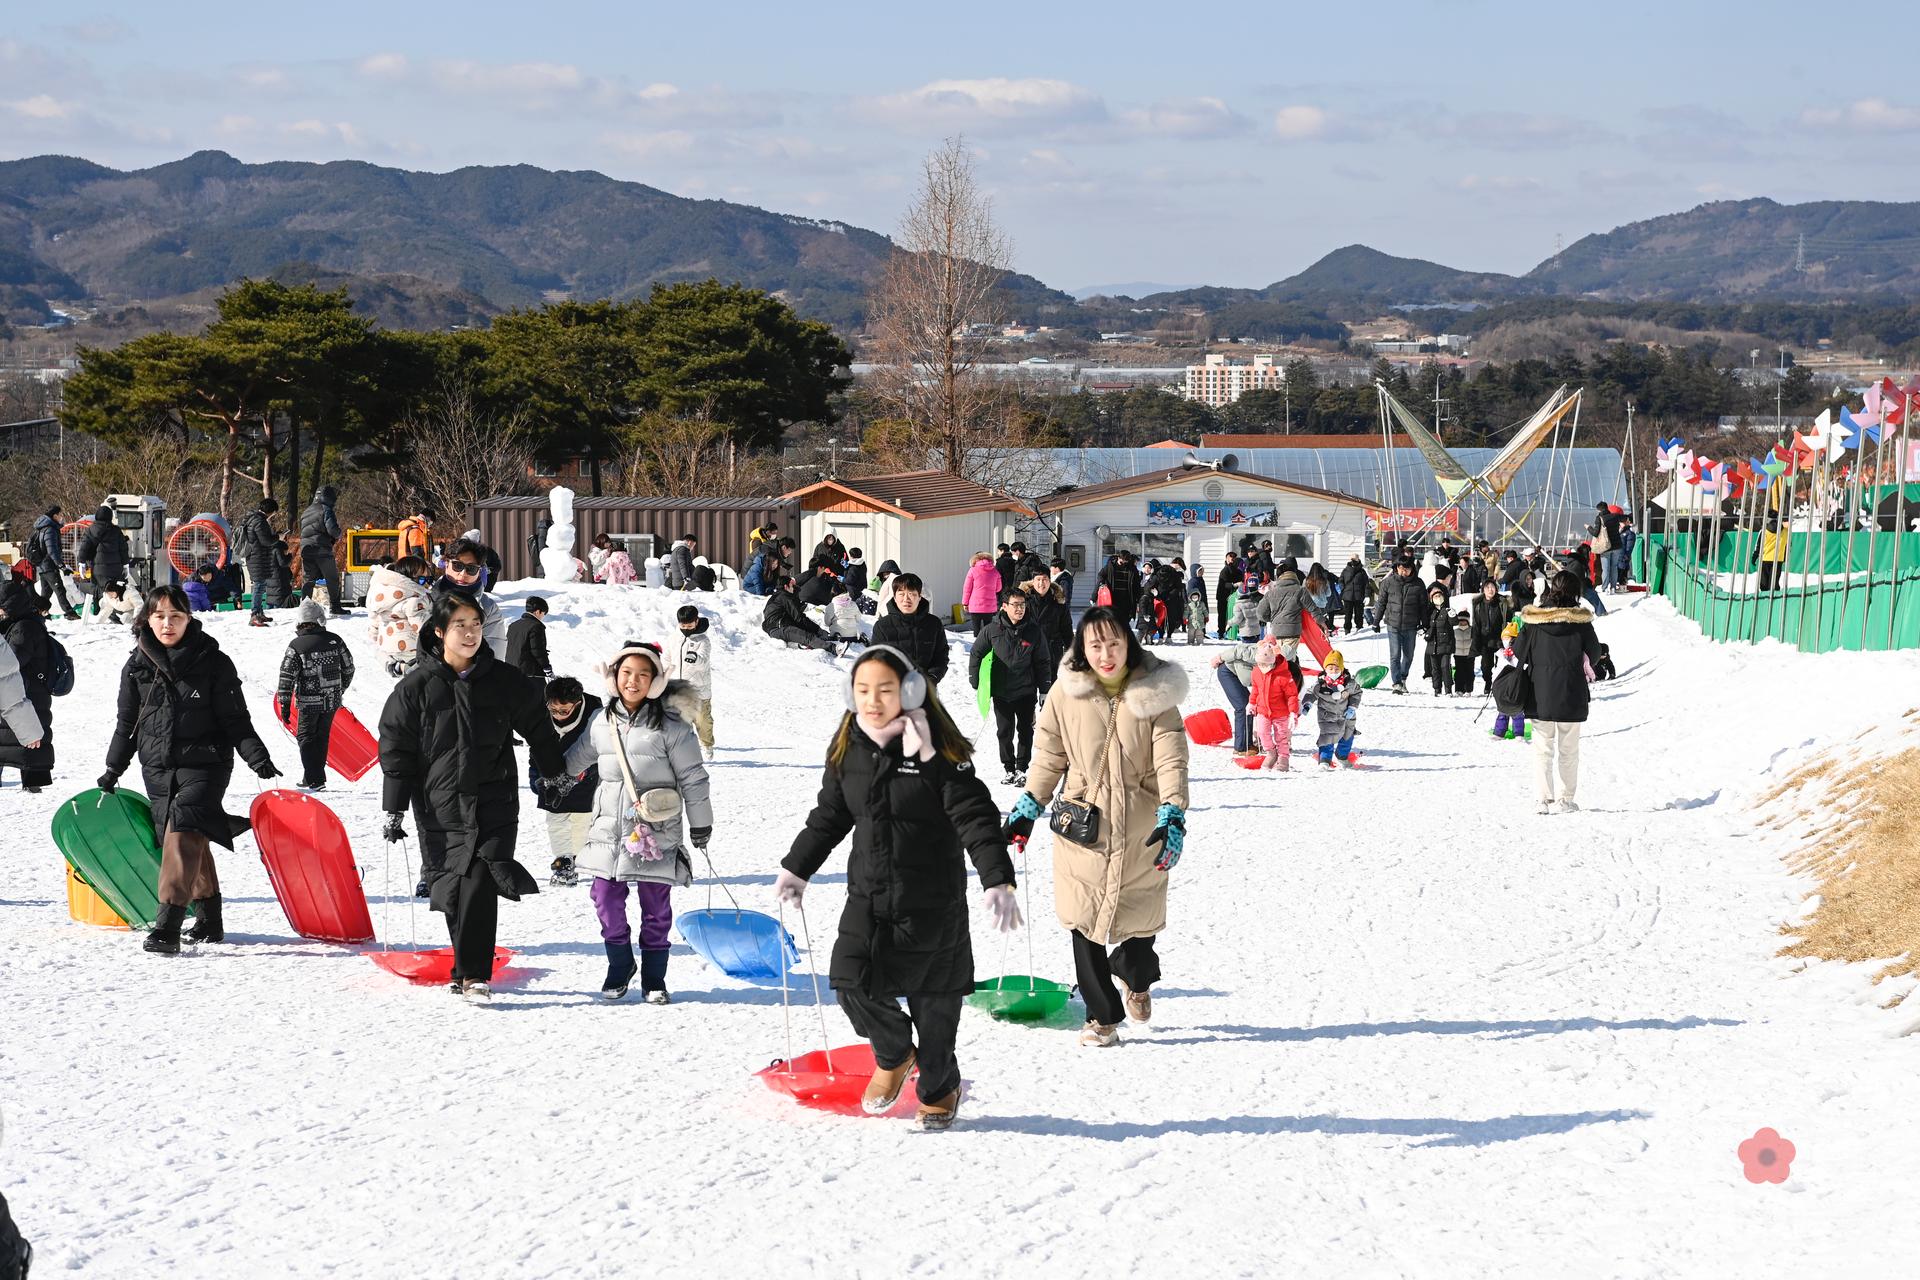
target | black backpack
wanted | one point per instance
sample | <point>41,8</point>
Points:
<point>59,669</point>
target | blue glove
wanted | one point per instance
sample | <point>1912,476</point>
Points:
<point>1170,835</point>
<point>1351,714</point>
<point>1026,811</point>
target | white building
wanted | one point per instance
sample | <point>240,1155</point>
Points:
<point>1200,514</point>
<point>1221,379</point>
<point>930,522</point>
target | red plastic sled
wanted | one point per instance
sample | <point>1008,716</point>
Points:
<point>310,862</point>
<point>809,1082</point>
<point>435,968</point>
<point>351,750</point>
<point>1314,638</point>
<point>1251,762</point>
<point>1209,728</point>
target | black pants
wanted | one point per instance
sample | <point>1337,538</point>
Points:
<point>1486,671</point>
<point>318,563</point>
<point>1769,570</point>
<point>1353,613</point>
<point>891,1029</point>
<point>1133,962</point>
<point>1011,715</point>
<point>1440,671</point>
<point>313,734</point>
<point>51,585</point>
<point>1462,673</point>
<point>1224,600</point>
<point>474,923</point>
<point>802,638</point>
<point>979,620</point>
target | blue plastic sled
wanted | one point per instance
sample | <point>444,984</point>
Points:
<point>741,944</point>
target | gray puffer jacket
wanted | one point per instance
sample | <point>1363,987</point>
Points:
<point>1280,609</point>
<point>1330,700</point>
<point>669,758</point>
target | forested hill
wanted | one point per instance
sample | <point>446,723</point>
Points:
<point>509,236</point>
<point>1742,249</point>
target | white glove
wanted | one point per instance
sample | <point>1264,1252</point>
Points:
<point>1005,908</point>
<point>789,888</point>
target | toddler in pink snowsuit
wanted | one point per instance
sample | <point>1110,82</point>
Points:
<point>1274,702</point>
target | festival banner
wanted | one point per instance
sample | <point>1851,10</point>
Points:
<point>1412,518</point>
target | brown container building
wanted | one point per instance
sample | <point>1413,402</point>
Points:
<point>721,524</point>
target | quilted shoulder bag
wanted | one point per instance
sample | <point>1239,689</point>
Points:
<point>1079,821</point>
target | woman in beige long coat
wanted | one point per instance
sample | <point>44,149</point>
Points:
<point>1111,736</point>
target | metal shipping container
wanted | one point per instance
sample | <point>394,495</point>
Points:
<point>721,524</point>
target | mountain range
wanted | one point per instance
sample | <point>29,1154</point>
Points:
<point>430,248</point>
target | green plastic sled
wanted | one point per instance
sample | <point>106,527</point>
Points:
<point>1370,677</point>
<point>986,686</point>
<point>109,840</point>
<point>1019,998</point>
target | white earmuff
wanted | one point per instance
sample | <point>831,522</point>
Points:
<point>913,685</point>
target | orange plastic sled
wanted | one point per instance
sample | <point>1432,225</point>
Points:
<point>88,907</point>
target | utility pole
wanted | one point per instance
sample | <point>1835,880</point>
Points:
<point>1780,392</point>
<point>1286,391</point>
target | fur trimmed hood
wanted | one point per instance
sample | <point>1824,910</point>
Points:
<point>678,698</point>
<point>1157,686</point>
<point>1535,614</point>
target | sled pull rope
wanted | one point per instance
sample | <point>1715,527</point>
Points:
<point>1026,909</point>
<point>813,971</point>
<point>713,878</point>
<point>786,1011</point>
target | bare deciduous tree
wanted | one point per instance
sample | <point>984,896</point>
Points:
<point>691,457</point>
<point>462,454</point>
<point>939,288</point>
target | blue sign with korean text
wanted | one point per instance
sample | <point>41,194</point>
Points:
<point>1222,515</point>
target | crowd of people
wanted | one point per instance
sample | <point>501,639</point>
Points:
<point>1088,724</point>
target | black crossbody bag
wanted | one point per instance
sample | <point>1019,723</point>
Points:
<point>1076,820</point>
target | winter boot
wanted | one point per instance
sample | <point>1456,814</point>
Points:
<point>883,1090</point>
<point>564,873</point>
<point>1139,1003</point>
<point>479,992</point>
<point>937,1116</point>
<point>1100,1035</point>
<point>207,926</point>
<point>620,969</point>
<point>164,938</point>
<point>653,975</point>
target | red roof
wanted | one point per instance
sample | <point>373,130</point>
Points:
<point>915,494</point>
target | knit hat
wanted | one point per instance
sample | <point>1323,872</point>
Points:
<point>1333,659</point>
<point>646,649</point>
<point>1511,630</point>
<point>312,611</point>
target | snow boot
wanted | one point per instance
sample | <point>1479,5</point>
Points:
<point>259,622</point>
<point>653,975</point>
<point>1139,1003</point>
<point>479,992</point>
<point>1328,765</point>
<point>620,970</point>
<point>207,926</point>
<point>564,873</point>
<point>883,1089</point>
<point>1100,1035</point>
<point>937,1116</point>
<point>164,938</point>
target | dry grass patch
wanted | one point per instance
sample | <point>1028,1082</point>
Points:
<point>1866,852</point>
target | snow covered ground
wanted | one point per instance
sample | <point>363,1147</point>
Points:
<point>1408,1027</point>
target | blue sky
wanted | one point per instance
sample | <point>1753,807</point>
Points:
<point>1121,142</point>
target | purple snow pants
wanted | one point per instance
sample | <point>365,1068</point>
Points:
<point>656,912</point>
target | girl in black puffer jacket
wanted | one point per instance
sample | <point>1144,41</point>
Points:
<point>446,740</point>
<point>182,710</point>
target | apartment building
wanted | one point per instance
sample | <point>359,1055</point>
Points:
<point>1222,379</point>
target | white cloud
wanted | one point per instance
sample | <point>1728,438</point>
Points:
<point>1187,118</point>
<point>996,103</point>
<point>262,78</point>
<point>325,131</point>
<point>1519,130</point>
<point>1498,182</point>
<point>1300,123</point>
<point>1867,115</point>
<point>384,66</point>
<point>512,78</point>
<point>42,106</point>
<point>650,146</point>
<point>237,126</point>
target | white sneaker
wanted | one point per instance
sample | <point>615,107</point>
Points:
<point>1099,1035</point>
<point>1546,807</point>
<point>479,993</point>
<point>1568,806</point>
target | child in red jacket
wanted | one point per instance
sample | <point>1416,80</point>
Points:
<point>1274,702</point>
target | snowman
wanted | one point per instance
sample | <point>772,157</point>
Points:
<point>557,562</point>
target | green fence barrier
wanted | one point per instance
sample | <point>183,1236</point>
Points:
<point>1877,608</point>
